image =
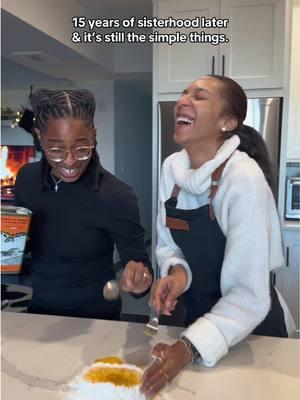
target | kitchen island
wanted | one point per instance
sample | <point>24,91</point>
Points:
<point>42,354</point>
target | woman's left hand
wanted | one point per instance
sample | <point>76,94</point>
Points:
<point>136,278</point>
<point>170,360</point>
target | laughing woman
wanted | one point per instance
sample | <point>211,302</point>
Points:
<point>80,211</point>
<point>218,232</point>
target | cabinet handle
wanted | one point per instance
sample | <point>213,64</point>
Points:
<point>213,65</point>
<point>287,256</point>
<point>223,65</point>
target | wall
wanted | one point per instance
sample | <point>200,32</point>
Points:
<point>129,58</point>
<point>15,136</point>
<point>104,120</point>
<point>133,142</point>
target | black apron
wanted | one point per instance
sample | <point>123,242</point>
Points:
<point>202,242</point>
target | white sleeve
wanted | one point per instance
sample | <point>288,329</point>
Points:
<point>245,299</point>
<point>167,252</point>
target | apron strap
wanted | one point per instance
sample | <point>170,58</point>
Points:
<point>215,178</point>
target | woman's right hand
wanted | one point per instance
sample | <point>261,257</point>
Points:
<point>168,289</point>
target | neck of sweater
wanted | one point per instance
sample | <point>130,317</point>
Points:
<point>196,181</point>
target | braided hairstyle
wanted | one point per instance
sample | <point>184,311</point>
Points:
<point>252,142</point>
<point>80,104</point>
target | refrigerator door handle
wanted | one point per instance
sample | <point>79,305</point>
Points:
<point>223,65</point>
<point>287,256</point>
<point>213,65</point>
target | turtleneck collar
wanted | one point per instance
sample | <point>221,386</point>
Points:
<point>197,181</point>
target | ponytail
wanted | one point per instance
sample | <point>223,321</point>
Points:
<point>253,144</point>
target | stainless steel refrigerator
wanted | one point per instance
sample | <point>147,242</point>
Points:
<point>263,114</point>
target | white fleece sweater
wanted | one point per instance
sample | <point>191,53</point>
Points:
<point>247,215</point>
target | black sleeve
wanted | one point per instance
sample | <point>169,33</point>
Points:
<point>20,199</point>
<point>126,231</point>
<point>19,189</point>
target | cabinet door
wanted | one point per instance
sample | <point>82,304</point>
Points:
<point>287,278</point>
<point>181,63</point>
<point>255,52</point>
<point>293,139</point>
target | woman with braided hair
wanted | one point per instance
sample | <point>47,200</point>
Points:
<point>80,211</point>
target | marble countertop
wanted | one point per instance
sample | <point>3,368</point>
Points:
<point>41,354</point>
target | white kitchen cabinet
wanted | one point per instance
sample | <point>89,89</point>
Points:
<point>180,64</point>
<point>293,137</point>
<point>254,55</point>
<point>287,278</point>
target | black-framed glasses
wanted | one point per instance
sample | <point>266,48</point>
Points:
<point>80,153</point>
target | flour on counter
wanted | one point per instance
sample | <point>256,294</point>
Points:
<point>82,389</point>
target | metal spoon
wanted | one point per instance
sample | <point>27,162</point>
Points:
<point>111,290</point>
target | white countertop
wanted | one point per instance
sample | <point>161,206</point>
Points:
<point>42,353</point>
